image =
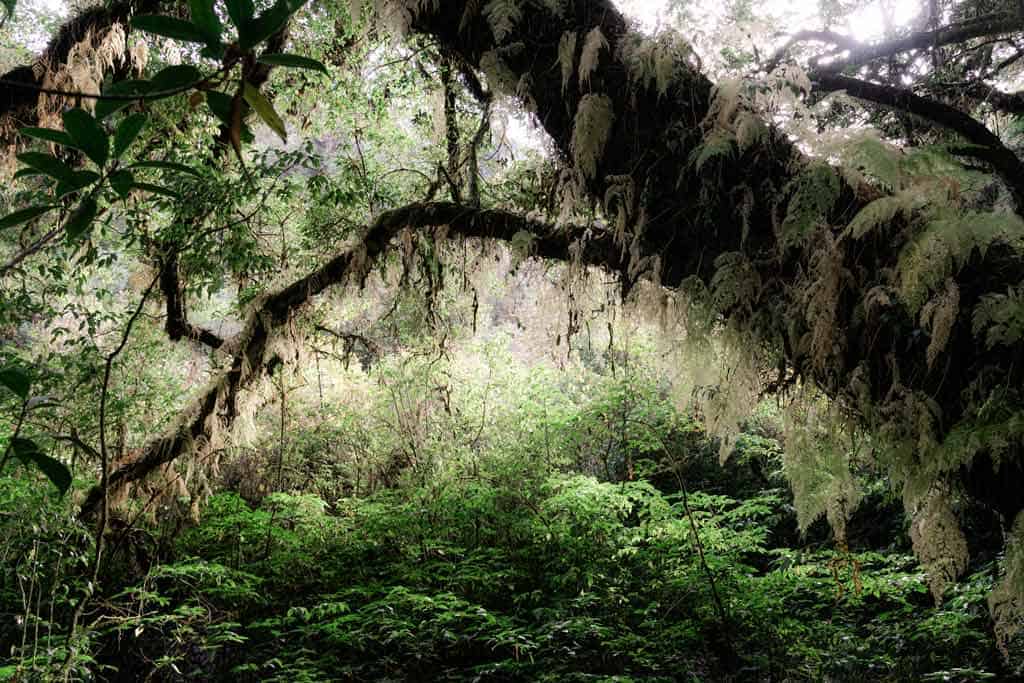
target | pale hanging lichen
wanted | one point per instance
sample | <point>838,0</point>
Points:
<point>567,56</point>
<point>591,55</point>
<point>591,128</point>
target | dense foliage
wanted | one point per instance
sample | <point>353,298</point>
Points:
<point>511,340</point>
<point>516,560</point>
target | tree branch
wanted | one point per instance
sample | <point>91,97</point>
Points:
<point>999,23</point>
<point>249,351</point>
<point>989,147</point>
<point>177,324</point>
<point>19,101</point>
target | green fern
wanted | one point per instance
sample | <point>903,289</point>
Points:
<point>719,144</point>
<point>880,161</point>
<point>814,192</point>
<point>503,16</point>
<point>877,213</point>
<point>945,245</point>
<point>999,318</point>
<point>735,283</point>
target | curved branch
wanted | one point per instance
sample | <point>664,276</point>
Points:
<point>999,23</point>
<point>251,356</point>
<point>177,324</point>
<point>988,147</point>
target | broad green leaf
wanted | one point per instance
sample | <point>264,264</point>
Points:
<point>122,181</point>
<point>105,108</point>
<point>167,166</point>
<point>88,135</point>
<point>206,19</point>
<point>79,222</point>
<point>175,77</point>
<point>24,215</point>
<point>57,472</point>
<point>255,31</point>
<point>240,11</point>
<point>23,448</point>
<point>25,173</point>
<point>17,380</point>
<point>126,132</point>
<point>292,61</point>
<point>265,110</point>
<point>47,164</point>
<point>169,27</point>
<point>220,105</point>
<point>76,182</point>
<point>49,135</point>
<point>156,189</point>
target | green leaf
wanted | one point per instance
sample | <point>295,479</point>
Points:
<point>17,380</point>
<point>206,19</point>
<point>57,472</point>
<point>167,166</point>
<point>49,135</point>
<point>105,108</point>
<point>122,181</point>
<point>265,110</point>
<point>255,31</point>
<point>25,173</point>
<point>46,164</point>
<point>175,77</point>
<point>88,135</point>
<point>169,27</point>
<point>292,61</point>
<point>240,12</point>
<point>156,189</point>
<point>78,224</point>
<point>126,132</point>
<point>220,105</point>
<point>24,215</point>
<point>76,182</point>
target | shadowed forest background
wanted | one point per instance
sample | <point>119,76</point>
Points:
<point>511,340</point>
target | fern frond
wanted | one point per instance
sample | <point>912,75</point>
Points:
<point>821,304</point>
<point>939,542</point>
<point>655,61</point>
<point>556,7</point>
<point>717,144</point>
<point>1000,317</point>
<point>878,160</point>
<point>725,102</point>
<point>503,16</point>
<point>944,246</point>
<point>736,283</point>
<point>879,212</point>
<point>1006,601</point>
<point>938,316</point>
<point>817,463</point>
<point>814,192</point>
<point>750,130</point>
